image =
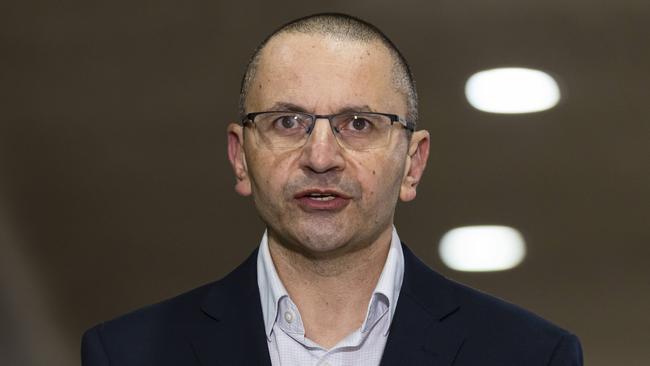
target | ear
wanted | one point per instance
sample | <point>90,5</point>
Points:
<point>416,161</point>
<point>237,158</point>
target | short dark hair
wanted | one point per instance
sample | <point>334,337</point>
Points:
<point>343,27</point>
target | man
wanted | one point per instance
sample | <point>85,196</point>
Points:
<point>326,146</point>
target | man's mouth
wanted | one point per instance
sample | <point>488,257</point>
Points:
<point>321,197</point>
<point>321,194</point>
<point>322,200</point>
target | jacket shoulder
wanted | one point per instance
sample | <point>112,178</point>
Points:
<point>137,338</point>
<point>499,332</point>
<point>179,308</point>
<point>481,310</point>
<point>492,312</point>
<point>495,330</point>
<point>159,334</point>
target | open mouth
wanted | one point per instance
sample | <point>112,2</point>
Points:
<point>321,196</point>
<point>322,200</point>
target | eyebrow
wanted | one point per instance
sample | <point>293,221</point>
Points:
<point>286,106</point>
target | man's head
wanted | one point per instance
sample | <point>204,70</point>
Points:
<point>345,28</point>
<point>323,197</point>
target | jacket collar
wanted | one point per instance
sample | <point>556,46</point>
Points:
<point>233,333</point>
<point>419,334</point>
<point>233,330</point>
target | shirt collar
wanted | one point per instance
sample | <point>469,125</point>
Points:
<point>387,290</point>
<point>270,286</point>
<point>390,281</point>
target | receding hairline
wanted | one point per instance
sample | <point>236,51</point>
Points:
<point>340,27</point>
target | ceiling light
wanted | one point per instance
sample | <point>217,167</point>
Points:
<point>512,90</point>
<point>482,248</point>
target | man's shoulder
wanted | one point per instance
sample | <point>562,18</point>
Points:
<point>179,308</point>
<point>164,326</point>
<point>497,327</point>
<point>493,312</point>
<point>494,329</point>
<point>142,336</point>
<point>478,307</point>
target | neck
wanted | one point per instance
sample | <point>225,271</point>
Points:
<point>331,292</point>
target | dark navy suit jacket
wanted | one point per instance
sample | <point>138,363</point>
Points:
<point>437,322</point>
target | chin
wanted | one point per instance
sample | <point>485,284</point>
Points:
<point>321,242</point>
<point>320,235</point>
<point>332,243</point>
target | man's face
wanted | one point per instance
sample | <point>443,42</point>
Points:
<point>321,75</point>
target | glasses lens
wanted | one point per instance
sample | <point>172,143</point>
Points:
<point>282,129</point>
<point>362,131</point>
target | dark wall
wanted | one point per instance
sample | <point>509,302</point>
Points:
<point>115,190</point>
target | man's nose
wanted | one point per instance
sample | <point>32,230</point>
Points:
<point>322,152</point>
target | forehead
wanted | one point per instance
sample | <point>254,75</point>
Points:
<point>324,74</point>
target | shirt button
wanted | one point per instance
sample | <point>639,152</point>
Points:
<point>288,316</point>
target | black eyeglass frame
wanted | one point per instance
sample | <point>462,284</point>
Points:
<point>408,125</point>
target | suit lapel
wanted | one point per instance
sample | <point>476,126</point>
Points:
<point>232,332</point>
<point>419,334</point>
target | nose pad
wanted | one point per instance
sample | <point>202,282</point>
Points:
<point>322,151</point>
<point>310,130</point>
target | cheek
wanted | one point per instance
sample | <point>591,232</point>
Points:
<point>381,178</point>
<point>269,174</point>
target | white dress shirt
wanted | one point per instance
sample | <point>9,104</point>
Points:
<point>285,332</point>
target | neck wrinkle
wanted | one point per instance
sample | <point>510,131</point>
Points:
<point>297,270</point>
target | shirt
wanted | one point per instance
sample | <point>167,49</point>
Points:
<point>285,332</point>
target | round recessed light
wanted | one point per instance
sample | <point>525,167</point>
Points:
<point>512,90</point>
<point>482,248</point>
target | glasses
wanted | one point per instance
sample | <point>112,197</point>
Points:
<point>353,130</point>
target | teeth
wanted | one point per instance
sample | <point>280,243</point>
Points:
<point>321,197</point>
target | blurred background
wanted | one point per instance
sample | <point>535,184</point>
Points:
<point>115,191</point>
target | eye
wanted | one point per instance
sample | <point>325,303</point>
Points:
<point>286,122</point>
<point>359,124</point>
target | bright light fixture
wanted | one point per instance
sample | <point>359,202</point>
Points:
<point>512,90</point>
<point>482,248</point>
